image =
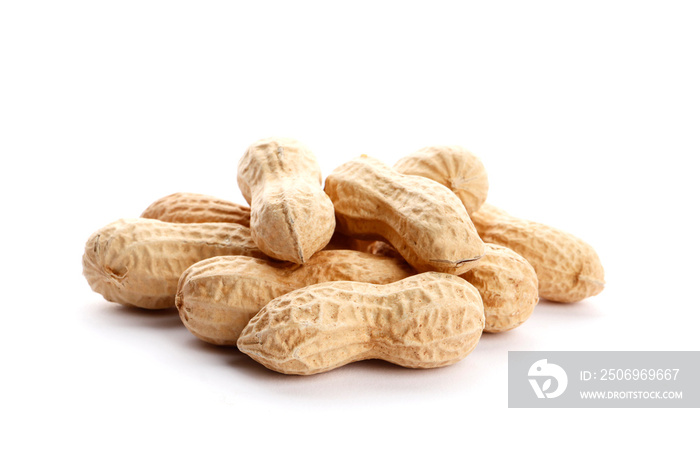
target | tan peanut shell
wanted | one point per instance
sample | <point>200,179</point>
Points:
<point>138,262</point>
<point>291,217</point>
<point>424,321</point>
<point>197,208</point>
<point>508,287</point>
<point>423,220</point>
<point>568,269</point>
<point>506,281</point>
<point>217,297</point>
<point>451,166</point>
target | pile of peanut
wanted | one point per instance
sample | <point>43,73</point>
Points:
<point>405,264</point>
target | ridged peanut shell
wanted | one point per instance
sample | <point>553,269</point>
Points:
<point>291,217</point>
<point>138,262</point>
<point>217,297</point>
<point>423,220</point>
<point>508,287</point>
<point>197,208</point>
<point>506,281</point>
<point>424,321</point>
<point>451,166</point>
<point>568,269</point>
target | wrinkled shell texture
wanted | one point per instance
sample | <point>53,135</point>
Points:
<point>568,269</point>
<point>291,216</point>
<point>506,281</point>
<point>217,297</point>
<point>197,208</point>
<point>508,287</point>
<point>138,262</point>
<point>423,220</point>
<point>451,166</point>
<point>424,321</point>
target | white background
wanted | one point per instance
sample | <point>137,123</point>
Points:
<point>585,114</point>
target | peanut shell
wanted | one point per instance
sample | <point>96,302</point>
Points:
<point>452,166</point>
<point>138,262</point>
<point>423,220</point>
<point>568,269</point>
<point>217,297</point>
<point>424,321</point>
<point>291,217</point>
<point>197,208</point>
<point>507,284</point>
